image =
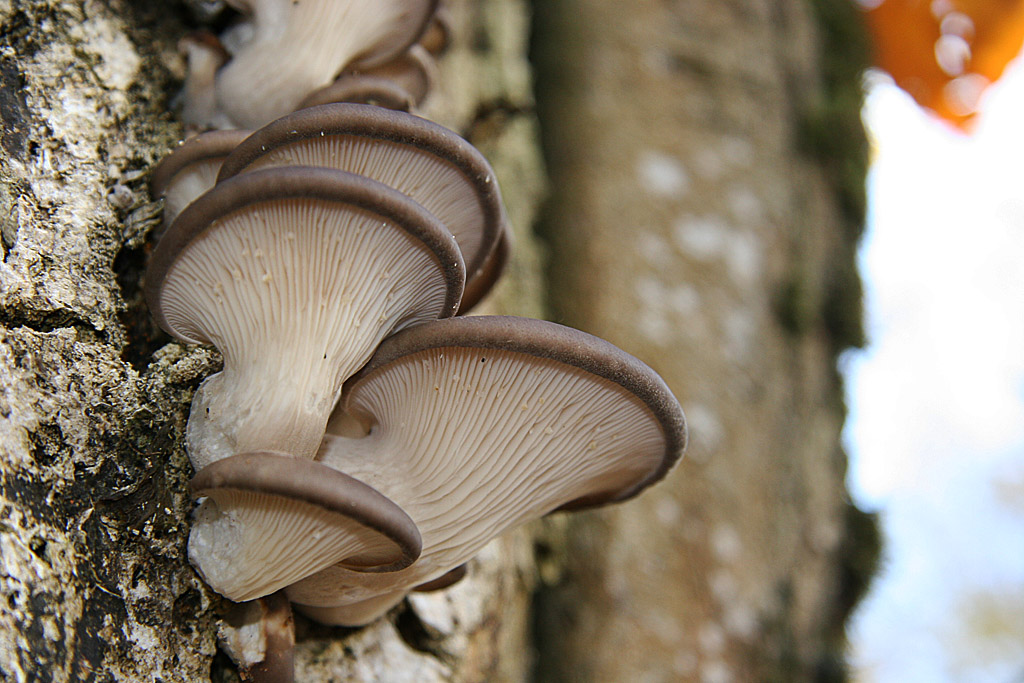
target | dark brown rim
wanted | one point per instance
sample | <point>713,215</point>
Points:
<point>362,89</point>
<point>392,126</point>
<point>387,50</point>
<point>449,578</point>
<point>316,484</point>
<point>480,283</point>
<point>302,182</point>
<point>196,149</point>
<point>552,341</point>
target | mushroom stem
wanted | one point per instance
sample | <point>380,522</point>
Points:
<point>251,405</point>
<point>259,636</point>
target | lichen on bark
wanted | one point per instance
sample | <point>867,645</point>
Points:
<point>94,508</point>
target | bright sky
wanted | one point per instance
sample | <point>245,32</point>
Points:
<point>936,428</point>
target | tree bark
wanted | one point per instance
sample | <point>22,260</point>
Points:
<point>93,477</point>
<point>685,225</point>
<point>694,222</point>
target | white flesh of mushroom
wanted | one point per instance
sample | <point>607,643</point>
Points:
<point>298,47</point>
<point>472,442</point>
<point>296,295</point>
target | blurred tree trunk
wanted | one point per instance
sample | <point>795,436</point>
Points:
<point>707,163</point>
<point>719,269</point>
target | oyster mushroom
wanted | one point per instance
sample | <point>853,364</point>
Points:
<point>297,47</point>
<point>479,424</point>
<point>425,161</point>
<point>295,275</point>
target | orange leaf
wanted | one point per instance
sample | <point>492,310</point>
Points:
<point>946,52</point>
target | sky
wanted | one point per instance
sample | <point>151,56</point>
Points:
<point>936,427</point>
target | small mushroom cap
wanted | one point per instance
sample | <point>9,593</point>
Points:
<point>483,423</point>
<point>271,519</point>
<point>357,613</point>
<point>296,275</point>
<point>487,275</point>
<point>449,578</point>
<point>205,54</point>
<point>438,34</point>
<point>425,161</point>
<point>362,89</point>
<point>191,169</point>
<point>259,636</point>
<point>400,84</point>
<point>303,46</point>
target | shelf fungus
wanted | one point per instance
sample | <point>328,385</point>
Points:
<point>423,160</point>
<point>477,425</point>
<point>295,275</point>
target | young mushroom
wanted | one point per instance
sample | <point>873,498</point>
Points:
<point>479,424</point>
<point>298,47</point>
<point>425,161</point>
<point>295,275</point>
<point>268,520</point>
<point>191,169</point>
<point>400,84</point>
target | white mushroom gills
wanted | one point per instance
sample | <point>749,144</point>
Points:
<point>296,295</point>
<point>298,47</point>
<point>471,442</point>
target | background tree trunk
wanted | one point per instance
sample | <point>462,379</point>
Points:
<point>686,225</point>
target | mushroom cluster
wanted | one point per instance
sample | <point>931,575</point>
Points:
<point>364,438</point>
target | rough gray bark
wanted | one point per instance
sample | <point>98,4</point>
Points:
<point>94,510</point>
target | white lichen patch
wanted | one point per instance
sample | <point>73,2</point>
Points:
<point>741,333</point>
<point>711,638</point>
<point>744,205</point>
<point>662,175</point>
<point>664,311</point>
<point>710,238</point>
<point>725,543</point>
<point>715,671</point>
<point>117,62</point>
<point>706,431</point>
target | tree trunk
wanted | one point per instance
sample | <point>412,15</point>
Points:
<point>719,272</point>
<point>697,222</point>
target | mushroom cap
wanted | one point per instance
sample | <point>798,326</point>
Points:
<point>191,169</point>
<point>298,47</point>
<point>488,274</point>
<point>482,423</point>
<point>449,578</point>
<point>296,275</point>
<point>362,89</point>
<point>427,162</point>
<point>271,519</point>
<point>399,84</point>
<point>534,350</point>
<point>233,200</point>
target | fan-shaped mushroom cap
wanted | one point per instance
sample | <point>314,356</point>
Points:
<point>191,169</point>
<point>298,47</point>
<point>400,84</point>
<point>423,160</point>
<point>483,423</point>
<point>295,275</point>
<point>270,519</point>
